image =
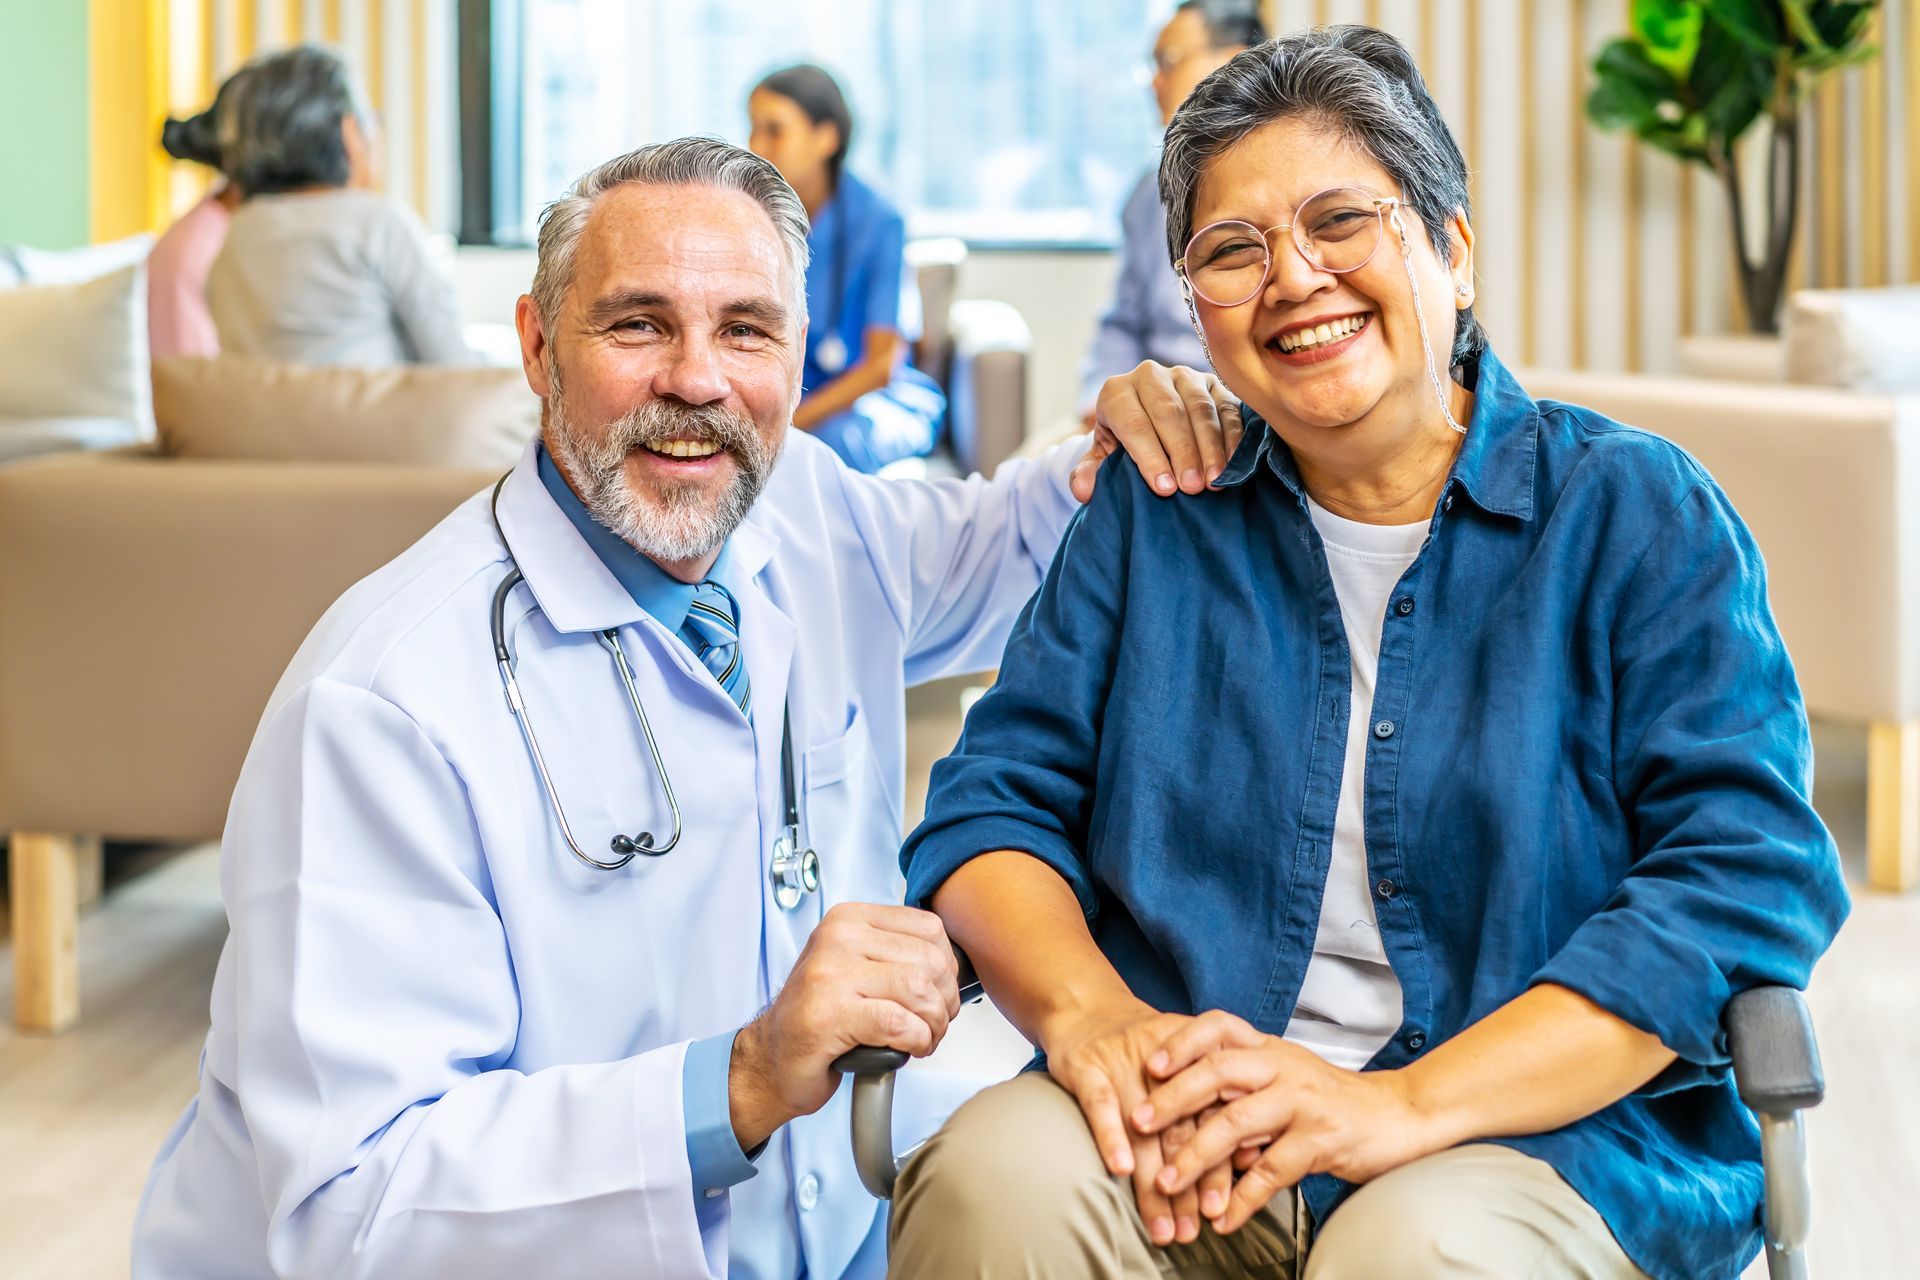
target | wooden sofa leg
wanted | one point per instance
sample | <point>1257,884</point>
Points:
<point>1893,805</point>
<point>47,872</point>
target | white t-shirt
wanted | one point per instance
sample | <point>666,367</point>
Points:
<point>1349,1005</point>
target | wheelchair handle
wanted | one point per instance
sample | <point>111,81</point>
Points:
<point>872,1068</point>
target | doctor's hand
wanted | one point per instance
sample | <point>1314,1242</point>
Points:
<point>1276,1111</point>
<point>1179,427</point>
<point>868,975</point>
<point>1100,1056</point>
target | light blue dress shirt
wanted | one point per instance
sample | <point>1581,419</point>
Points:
<point>713,1150</point>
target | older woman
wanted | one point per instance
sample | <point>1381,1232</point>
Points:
<point>178,322</point>
<point>1372,844</point>
<point>318,268</point>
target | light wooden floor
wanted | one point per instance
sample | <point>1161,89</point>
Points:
<point>82,1114</point>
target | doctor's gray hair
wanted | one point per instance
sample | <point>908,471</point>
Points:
<point>1360,83</point>
<point>701,162</point>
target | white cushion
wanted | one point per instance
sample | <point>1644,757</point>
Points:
<point>1859,339</point>
<point>77,350</point>
<point>20,264</point>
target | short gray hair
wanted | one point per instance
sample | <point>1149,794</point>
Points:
<point>704,162</point>
<point>1357,81</point>
<point>281,131</point>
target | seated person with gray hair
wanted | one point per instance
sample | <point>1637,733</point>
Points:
<point>318,267</point>
<point>1147,319</point>
<point>1372,844</point>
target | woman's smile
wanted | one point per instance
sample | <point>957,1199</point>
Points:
<point>1319,339</point>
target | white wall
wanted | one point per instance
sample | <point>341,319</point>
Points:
<point>1061,295</point>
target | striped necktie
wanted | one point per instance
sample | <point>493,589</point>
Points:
<point>712,633</point>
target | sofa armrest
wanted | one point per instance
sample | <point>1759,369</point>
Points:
<point>149,605</point>
<point>987,412</point>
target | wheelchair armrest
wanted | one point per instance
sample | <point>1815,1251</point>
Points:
<point>1776,1060</point>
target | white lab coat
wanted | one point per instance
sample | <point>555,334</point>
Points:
<point>441,1046</point>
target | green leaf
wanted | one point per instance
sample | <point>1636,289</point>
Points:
<point>1616,104</point>
<point>1627,61</point>
<point>1731,111</point>
<point>1669,33</point>
<point>1754,23</point>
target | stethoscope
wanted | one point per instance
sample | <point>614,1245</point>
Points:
<point>795,869</point>
<point>831,352</point>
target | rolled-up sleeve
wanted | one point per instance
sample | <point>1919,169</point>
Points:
<point>1735,881</point>
<point>1022,776</point>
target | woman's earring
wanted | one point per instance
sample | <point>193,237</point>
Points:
<point>1462,290</point>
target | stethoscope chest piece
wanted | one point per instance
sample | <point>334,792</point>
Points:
<point>795,871</point>
<point>831,354</point>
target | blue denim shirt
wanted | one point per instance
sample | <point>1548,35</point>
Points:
<point>1589,765</point>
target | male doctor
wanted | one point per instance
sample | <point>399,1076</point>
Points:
<point>443,1043</point>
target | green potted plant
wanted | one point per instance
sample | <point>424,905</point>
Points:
<point>1694,75</point>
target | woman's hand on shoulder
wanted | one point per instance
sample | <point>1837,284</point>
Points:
<point>1179,426</point>
<point>1276,1112</point>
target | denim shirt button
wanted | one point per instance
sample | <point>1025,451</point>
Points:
<point>1417,1041</point>
<point>1384,888</point>
<point>1405,606</point>
<point>1384,729</point>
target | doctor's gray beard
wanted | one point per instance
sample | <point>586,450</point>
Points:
<point>673,522</point>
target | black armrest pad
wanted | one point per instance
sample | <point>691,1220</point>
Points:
<point>870,1060</point>
<point>1776,1062</point>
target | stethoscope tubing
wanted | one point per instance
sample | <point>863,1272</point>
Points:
<point>796,872</point>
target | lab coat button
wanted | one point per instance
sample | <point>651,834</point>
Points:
<point>809,1192</point>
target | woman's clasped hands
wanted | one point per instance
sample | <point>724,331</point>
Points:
<point>1211,1118</point>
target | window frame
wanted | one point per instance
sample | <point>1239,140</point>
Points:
<point>491,98</point>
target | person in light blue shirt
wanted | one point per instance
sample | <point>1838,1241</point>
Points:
<point>861,394</point>
<point>453,1032</point>
<point>1147,320</point>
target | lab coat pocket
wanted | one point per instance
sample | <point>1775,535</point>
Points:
<point>850,818</point>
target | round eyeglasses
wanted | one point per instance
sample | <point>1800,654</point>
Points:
<point>1337,231</point>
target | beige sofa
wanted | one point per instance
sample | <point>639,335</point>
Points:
<point>150,604</point>
<point>151,596</point>
<point>1829,482</point>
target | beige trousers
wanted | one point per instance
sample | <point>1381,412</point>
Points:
<point>1013,1187</point>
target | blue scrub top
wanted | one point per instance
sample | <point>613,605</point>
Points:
<point>857,278</point>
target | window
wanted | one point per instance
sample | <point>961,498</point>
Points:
<point>999,121</point>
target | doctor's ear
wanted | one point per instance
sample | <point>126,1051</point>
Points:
<point>535,351</point>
